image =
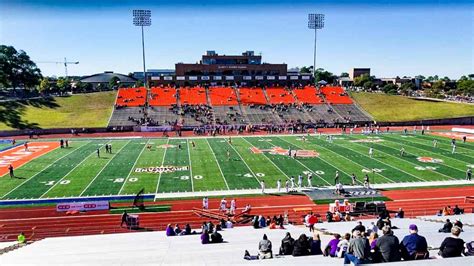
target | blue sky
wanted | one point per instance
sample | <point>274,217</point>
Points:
<point>391,37</point>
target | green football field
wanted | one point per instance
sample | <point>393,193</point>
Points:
<point>173,165</point>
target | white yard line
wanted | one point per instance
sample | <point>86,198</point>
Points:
<point>396,168</point>
<point>270,161</point>
<point>43,169</point>
<point>414,164</point>
<point>245,163</point>
<point>133,166</point>
<point>105,166</point>
<point>80,163</point>
<point>218,165</point>
<point>190,166</point>
<point>162,162</point>
<point>425,150</point>
<point>304,165</point>
<point>346,158</point>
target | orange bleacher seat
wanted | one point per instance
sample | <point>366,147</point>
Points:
<point>193,96</point>
<point>131,97</point>
<point>162,96</point>
<point>336,95</point>
<point>223,96</point>
<point>308,95</point>
<point>252,96</point>
<point>279,95</point>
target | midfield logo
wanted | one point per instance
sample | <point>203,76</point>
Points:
<point>281,151</point>
<point>161,169</point>
<point>429,160</point>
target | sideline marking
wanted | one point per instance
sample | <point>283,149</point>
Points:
<point>162,162</point>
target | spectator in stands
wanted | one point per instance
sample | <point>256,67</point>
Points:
<point>452,246</point>
<point>331,247</point>
<point>216,237</point>
<point>229,224</point>
<point>287,244</point>
<point>21,239</point>
<point>375,255</point>
<point>359,227</point>
<point>205,237</point>
<point>400,213</point>
<point>457,210</point>
<point>177,230</point>
<point>170,231</point>
<point>358,250</point>
<point>446,227</point>
<point>261,221</point>
<point>388,245</point>
<point>373,228</point>
<point>315,244</point>
<point>187,229</point>
<point>373,240</point>
<point>210,227</point>
<point>204,227</point>
<point>458,223</point>
<point>343,245</point>
<point>265,248</point>
<point>414,246</point>
<point>302,246</point>
<point>255,222</point>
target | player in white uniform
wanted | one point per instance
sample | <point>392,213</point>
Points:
<point>223,206</point>
<point>232,207</point>
<point>205,203</point>
<point>287,186</point>
<point>262,184</point>
<point>300,181</point>
<point>371,152</point>
<point>279,185</point>
<point>310,177</point>
<point>454,149</point>
<point>292,180</point>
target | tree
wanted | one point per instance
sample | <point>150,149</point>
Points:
<point>138,83</point>
<point>421,77</point>
<point>44,85</point>
<point>390,88</point>
<point>436,90</point>
<point>466,87</point>
<point>322,74</point>
<point>305,70</point>
<point>17,69</point>
<point>114,82</point>
<point>463,78</point>
<point>360,80</point>
<point>344,75</point>
<point>63,84</point>
<point>407,88</point>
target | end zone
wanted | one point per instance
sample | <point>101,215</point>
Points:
<point>18,156</point>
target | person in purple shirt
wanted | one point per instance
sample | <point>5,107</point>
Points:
<point>331,247</point>
<point>413,245</point>
<point>205,237</point>
<point>170,231</point>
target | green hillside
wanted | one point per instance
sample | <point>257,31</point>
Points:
<point>393,108</point>
<point>82,110</point>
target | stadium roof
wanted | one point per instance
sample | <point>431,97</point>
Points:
<point>106,77</point>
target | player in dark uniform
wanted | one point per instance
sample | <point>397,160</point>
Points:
<point>10,170</point>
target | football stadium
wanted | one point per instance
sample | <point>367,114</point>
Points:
<point>232,159</point>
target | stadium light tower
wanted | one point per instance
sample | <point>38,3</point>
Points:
<point>315,22</point>
<point>142,18</point>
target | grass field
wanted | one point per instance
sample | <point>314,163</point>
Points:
<point>393,108</point>
<point>78,171</point>
<point>81,110</point>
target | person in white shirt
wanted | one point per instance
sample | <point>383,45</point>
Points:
<point>278,185</point>
<point>205,203</point>
<point>232,207</point>
<point>287,186</point>
<point>300,181</point>
<point>310,177</point>
<point>229,224</point>
<point>262,184</point>
<point>223,206</point>
<point>292,180</point>
<point>371,152</point>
